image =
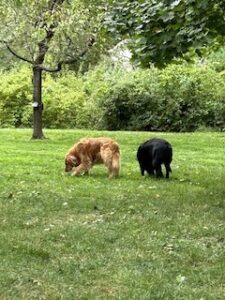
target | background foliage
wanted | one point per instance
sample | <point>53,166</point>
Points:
<point>177,98</point>
<point>182,97</point>
<point>160,30</point>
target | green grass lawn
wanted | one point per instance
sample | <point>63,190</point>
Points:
<point>91,237</point>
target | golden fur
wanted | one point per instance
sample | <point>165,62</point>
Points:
<point>90,151</point>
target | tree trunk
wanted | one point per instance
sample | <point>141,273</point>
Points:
<point>37,104</point>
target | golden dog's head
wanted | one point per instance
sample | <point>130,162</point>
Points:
<point>70,162</point>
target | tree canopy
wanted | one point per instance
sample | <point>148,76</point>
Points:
<point>58,29</point>
<point>160,30</point>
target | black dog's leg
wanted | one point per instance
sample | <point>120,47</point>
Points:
<point>142,168</point>
<point>150,171</point>
<point>168,170</point>
<point>159,171</point>
<point>157,167</point>
<point>142,171</point>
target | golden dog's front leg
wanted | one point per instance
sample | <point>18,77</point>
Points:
<point>82,168</point>
<point>78,170</point>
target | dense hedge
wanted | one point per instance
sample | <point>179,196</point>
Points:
<point>177,98</point>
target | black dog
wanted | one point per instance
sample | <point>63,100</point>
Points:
<point>152,154</point>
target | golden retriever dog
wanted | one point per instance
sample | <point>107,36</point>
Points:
<point>91,151</point>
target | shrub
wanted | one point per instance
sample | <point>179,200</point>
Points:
<point>216,60</point>
<point>15,96</point>
<point>131,102</point>
<point>63,99</point>
<point>194,95</point>
<point>177,98</point>
<point>96,83</point>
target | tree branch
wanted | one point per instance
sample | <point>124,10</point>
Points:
<point>53,3</point>
<point>54,70</point>
<point>69,61</point>
<point>43,44</point>
<point>16,54</point>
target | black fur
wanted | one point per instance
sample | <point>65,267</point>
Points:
<point>152,154</point>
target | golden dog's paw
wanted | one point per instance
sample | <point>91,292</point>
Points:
<point>74,174</point>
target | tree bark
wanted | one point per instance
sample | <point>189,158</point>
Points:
<point>37,103</point>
